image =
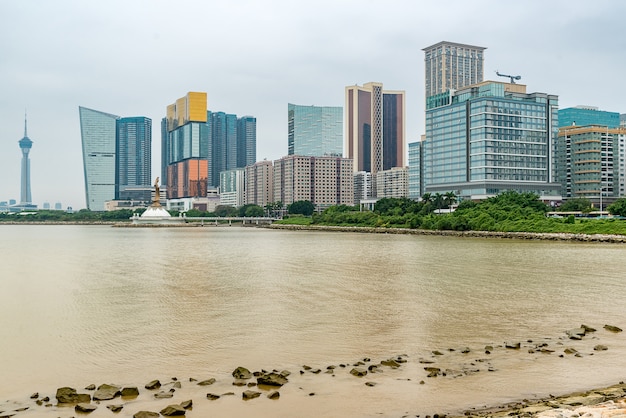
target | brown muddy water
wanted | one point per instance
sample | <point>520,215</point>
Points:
<point>96,304</point>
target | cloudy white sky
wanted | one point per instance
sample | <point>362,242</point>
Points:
<point>253,57</point>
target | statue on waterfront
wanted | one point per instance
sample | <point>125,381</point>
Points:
<point>157,193</point>
<point>155,214</point>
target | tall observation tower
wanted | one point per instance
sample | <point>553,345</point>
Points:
<point>25,145</point>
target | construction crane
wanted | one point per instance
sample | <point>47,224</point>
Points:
<point>512,77</point>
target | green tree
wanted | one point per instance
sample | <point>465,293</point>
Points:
<point>225,211</point>
<point>242,209</point>
<point>385,206</point>
<point>580,204</point>
<point>85,215</point>
<point>438,200</point>
<point>195,213</point>
<point>618,207</point>
<point>278,208</point>
<point>301,207</point>
<point>466,205</point>
<point>253,211</point>
<point>449,199</point>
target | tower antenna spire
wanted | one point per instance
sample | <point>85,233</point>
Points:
<point>25,118</point>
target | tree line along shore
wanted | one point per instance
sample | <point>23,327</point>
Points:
<point>508,215</point>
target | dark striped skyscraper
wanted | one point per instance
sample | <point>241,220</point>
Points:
<point>246,141</point>
<point>133,158</point>
<point>25,145</point>
<point>375,128</point>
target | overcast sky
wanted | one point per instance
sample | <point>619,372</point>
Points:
<point>133,58</point>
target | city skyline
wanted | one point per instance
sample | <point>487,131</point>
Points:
<point>327,49</point>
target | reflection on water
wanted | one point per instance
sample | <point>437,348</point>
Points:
<point>84,303</point>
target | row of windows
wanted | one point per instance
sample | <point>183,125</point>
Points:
<point>510,148</point>
<point>508,135</point>
<point>497,175</point>
<point>521,123</point>
<point>508,161</point>
<point>519,108</point>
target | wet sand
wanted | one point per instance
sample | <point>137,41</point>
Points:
<point>316,391</point>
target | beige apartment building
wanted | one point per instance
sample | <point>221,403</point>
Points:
<point>324,181</point>
<point>259,180</point>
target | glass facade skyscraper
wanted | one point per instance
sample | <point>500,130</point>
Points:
<point>192,132</point>
<point>588,115</point>
<point>246,141</point>
<point>315,131</point>
<point>98,130</point>
<point>116,157</point>
<point>415,170</point>
<point>224,140</point>
<point>187,147</point>
<point>133,158</point>
<point>489,138</point>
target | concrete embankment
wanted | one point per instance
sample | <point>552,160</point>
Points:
<point>471,234</point>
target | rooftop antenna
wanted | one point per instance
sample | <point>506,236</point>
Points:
<point>512,77</point>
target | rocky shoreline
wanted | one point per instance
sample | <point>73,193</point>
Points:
<point>154,398</point>
<point>468,234</point>
<point>547,236</point>
<point>608,401</point>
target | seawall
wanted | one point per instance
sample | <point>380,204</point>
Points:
<point>471,234</point>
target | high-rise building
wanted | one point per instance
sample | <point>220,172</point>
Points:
<point>415,169</point>
<point>165,156</point>
<point>191,131</point>
<point>588,115</point>
<point>25,145</point>
<point>451,66</point>
<point>375,128</point>
<point>324,181</point>
<point>116,157</point>
<point>492,137</point>
<point>362,186</point>
<point>98,130</point>
<point>233,187</point>
<point>315,131</point>
<point>392,183</point>
<point>224,142</point>
<point>590,161</point>
<point>260,183</point>
<point>133,159</point>
<point>187,147</point>
<point>246,141</point>
<point>590,154</point>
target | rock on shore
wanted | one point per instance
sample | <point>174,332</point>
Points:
<point>442,363</point>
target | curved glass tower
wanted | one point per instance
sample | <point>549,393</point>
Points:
<point>98,137</point>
